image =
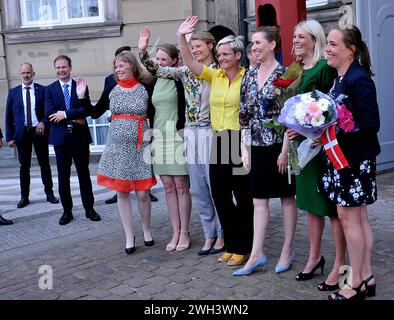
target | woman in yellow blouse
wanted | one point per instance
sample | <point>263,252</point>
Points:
<point>227,176</point>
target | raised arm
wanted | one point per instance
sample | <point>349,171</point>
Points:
<point>151,66</point>
<point>186,27</point>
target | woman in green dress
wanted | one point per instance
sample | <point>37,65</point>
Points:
<point>167,149</point>
<point>308,46</point>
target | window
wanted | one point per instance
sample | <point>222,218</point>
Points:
<point>98,130</point>
<point>315,3</point>
<point>36,13</point>
<point>252,9</point>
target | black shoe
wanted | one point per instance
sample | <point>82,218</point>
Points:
<point>132,249</point>
<point>307,276</point>
<point>66,218</point>
<point>4,221</point>
<point>153,198</point>
<point>52,199</point>
<point>216,250</point>
<point>360,294</point>
<point>23,203</point>
<point>149,243</point>
<point>371,288</point>
<point>114,199</point>
<point>92,215</point>
<point>327,287</point>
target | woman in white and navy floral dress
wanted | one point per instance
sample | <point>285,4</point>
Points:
<point>354,187</point>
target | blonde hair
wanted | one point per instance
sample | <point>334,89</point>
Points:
<point>316,31</point>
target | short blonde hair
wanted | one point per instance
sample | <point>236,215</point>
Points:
<point>236,43</point>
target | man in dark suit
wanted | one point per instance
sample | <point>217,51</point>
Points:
<point>103,102</point>
<point>26,126</point>
<point>3,221</point>
<point>70,136</point>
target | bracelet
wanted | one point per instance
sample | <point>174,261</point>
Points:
<point>183,46</point>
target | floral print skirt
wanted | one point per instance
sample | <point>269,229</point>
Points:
<point>353,186</point>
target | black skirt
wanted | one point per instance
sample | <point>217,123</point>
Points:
<point>265,179</point>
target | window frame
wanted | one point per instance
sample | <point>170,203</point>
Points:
<point>63,15</point>
<point>315,3</point>
<point>14,33</point>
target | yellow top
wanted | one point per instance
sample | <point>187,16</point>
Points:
<point>224,98</point>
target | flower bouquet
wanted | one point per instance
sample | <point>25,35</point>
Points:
<point>310,114</point>
<point>285,87</point>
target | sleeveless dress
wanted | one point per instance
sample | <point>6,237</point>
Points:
<point>125,164</point>
<point>167,147</point>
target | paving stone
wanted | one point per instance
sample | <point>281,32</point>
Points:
<point>89,262</point>
<point>122,290</point>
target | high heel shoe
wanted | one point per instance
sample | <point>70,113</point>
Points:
<point>130,250</point>
<point>360,294</point>
<point>205,252</point>
<point>263,260</point>
<point>286,267</point>
<point>307,276</point>
<point>148,243</point>
<point>327,287</point>
<point>371,288</point>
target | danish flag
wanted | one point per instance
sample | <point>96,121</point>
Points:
<point>332,148</point>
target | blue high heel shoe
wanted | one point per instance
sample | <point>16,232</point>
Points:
<point>247,271</point>
<point>286,267</point>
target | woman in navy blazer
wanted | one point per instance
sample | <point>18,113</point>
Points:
<point>354,187</point>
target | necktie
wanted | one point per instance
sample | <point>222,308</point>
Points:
<point>66,96</point>
<point>28,107</point>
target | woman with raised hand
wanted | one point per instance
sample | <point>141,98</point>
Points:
<point>227,177</point>
<point>125,164</point>
<point>167,148</point>
<point>353,188</point>
<point>197,132</point>
<point>308,47</point>
<point>268,150</point>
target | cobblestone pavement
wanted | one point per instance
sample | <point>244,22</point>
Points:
<point>88,259</point>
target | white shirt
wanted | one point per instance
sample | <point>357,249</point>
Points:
<point>34,120</point>
<point>69,86</point>
<point>69,92</point>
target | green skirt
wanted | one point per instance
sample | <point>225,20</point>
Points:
<point>307,196</point>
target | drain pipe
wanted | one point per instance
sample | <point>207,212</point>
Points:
<point>243,27</point>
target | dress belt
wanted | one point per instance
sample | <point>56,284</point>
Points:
<point>140,125</point>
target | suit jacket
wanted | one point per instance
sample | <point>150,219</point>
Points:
<point>361,144</point>
<point>15,114</point>
<point>79,108</point>
<point>102,104</point>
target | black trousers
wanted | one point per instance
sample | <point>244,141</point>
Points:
<point>229,182</point>
<point>73,149</point>
<point>25,146</point>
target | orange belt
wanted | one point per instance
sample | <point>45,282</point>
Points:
<point>140,125</point>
